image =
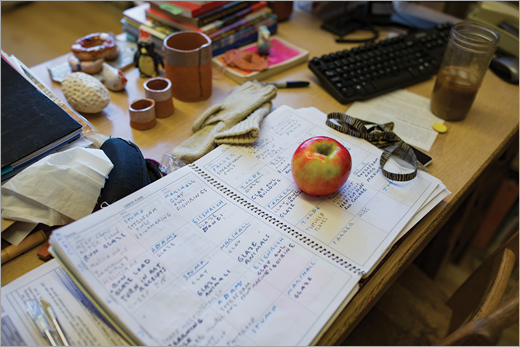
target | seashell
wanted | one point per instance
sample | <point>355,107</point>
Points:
<point>85,93</point>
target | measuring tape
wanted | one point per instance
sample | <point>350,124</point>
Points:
<point>381,136</point>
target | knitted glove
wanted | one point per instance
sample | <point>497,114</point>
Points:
<point>243,101</point>
<point>247,130</point>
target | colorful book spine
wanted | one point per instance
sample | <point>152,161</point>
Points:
<point>247,40</point>
<point>153,14</point>
<point>248,20</point>
<point>233,41</point>
<point>169,11</point>
<point>248,31</point>
<point>190,9</point>
<point>228,20</point>
<point>224,11</point>
<point>134,31</point>
<point>136,16</point>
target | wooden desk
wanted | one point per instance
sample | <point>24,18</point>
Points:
<point>460,156</point>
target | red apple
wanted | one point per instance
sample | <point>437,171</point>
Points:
<point>321,165</point>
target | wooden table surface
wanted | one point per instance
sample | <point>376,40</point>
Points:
<point>459,156</point>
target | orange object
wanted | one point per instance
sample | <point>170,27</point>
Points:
<point>187,64</point>
<point>43,252</point>
<point>95,46</point>
<point>142,114</point>
<point>160,89</point>
<point>245,60</point>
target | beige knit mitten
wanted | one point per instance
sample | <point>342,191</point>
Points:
<point>251,98</point>
<point>247,130</point>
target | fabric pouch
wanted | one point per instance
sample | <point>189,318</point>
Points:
<point>131,171</point>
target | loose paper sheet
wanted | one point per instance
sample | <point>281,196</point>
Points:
<point>410,113</point>
<point>17,232</point>
<point>78,319</point>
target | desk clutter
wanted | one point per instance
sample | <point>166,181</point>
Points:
<point>230,245</point>
<point>216,244</point>
<point>227,25</point>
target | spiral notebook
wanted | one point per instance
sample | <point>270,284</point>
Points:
<point>229,251</point>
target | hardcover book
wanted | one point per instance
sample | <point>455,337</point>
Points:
<point>247,21</point>
<point>161,17</point>
<point>237,40</point>
<point>282,56</point>
<point>226,10</point>
<point>270,23</point>
<point>191,9</point>
<point>32,124</point>
<point>173,12</point>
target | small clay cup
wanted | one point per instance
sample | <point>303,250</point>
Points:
<point>160,89</point>
<point>142,114</point>
<point>187,64</point>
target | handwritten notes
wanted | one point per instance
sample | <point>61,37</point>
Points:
<point>359,221</point>
<point>181,263</point>
<point>231,251</point>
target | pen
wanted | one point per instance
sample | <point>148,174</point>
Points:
<point>290,84</point>
<point>54,319</point>
<point>38,318</point>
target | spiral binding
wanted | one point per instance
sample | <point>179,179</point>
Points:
<point>276,222</point>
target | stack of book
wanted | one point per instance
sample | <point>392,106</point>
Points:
<point>229,24</point>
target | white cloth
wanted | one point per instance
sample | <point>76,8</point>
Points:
<point>57,189</point>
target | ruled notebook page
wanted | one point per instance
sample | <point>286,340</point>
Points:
<point>359,223</point>
<point>181,262</point>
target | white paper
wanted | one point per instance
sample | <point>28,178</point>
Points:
<point>181,262</point>
<point>230,251</point>
<point>82,326</point>
<point>359,222</point>
<point>410,113</point>
<point>57,189</point>
<point>17,232</point>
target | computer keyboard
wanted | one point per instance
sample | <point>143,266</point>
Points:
<point>378,68</point>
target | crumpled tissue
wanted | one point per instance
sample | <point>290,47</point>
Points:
<point>57,189</point>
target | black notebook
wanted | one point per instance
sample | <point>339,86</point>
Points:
<point>32,124</point>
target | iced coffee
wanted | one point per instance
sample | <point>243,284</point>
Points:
<point>466,59</point>
<point>454,93</point>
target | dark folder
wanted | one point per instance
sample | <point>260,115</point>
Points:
<point>32,124</point>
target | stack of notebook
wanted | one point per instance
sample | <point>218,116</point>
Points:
<point>229,24</point>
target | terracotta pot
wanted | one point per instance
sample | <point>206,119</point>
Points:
<point>187,65</point>
<point>142,114</point>
<point>160,89</point>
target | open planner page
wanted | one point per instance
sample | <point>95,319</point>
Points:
<point>181,262</point>
<point>359,223</point>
